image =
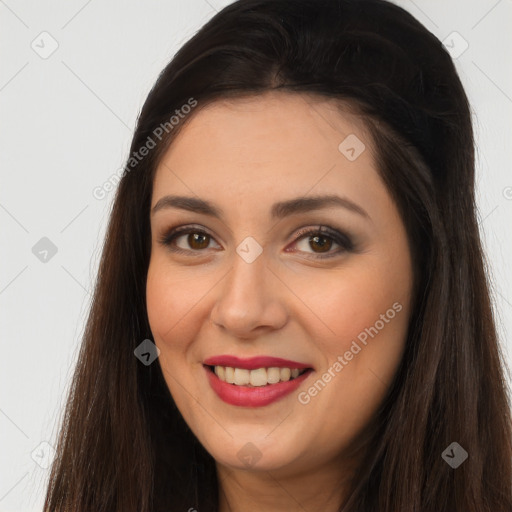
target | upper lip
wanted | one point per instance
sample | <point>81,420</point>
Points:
<point>252,363</point>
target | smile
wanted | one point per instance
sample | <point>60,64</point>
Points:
<point>254,382</point>
<point>256,378</point>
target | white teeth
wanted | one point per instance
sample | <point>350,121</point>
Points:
<point>286,373</point>
<point>230,375</point>
<point>220,371</point>
<point>258,377</point>
<point>242,377</point>
<point>273,375</point>
<point>255,378</point>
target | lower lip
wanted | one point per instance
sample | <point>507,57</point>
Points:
<point>259,396</point>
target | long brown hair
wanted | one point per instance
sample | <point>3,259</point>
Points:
<point>123,445</point>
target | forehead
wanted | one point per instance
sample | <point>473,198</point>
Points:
<point>268,147</point>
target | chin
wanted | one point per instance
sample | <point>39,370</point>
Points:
<point>256,453</point>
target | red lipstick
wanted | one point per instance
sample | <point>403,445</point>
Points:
<point>253,363</point>
<point>258,396</point>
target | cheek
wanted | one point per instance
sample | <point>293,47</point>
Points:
<point>173,317</point>
<point>367,312</point>
<point>347,303</point>
<point>171,303</point>
<point>362,314</point>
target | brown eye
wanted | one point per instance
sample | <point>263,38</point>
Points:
<point>198,240</point>
<point>323,243</point>
<point>187,240</point>
<point>317,242</point>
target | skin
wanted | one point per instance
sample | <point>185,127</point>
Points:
<point>244,155</point>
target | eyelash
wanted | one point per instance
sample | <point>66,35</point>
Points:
<point>339,238</point>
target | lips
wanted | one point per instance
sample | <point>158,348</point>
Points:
<point>254,363</point>
<point>249,393</point>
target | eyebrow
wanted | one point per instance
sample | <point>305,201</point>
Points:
<point>278,211</point>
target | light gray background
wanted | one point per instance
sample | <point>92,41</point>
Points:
<point>66,126</point>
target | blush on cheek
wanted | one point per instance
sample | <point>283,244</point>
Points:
<point>173,319</point>
<point>350,314</point>
<point>165,305</point>
<point>372,335</point>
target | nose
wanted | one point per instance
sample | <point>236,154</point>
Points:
<point>250,300</point>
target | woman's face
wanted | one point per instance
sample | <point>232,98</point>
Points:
<point>251,277</point>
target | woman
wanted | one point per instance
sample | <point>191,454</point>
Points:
<point>291,310</point>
